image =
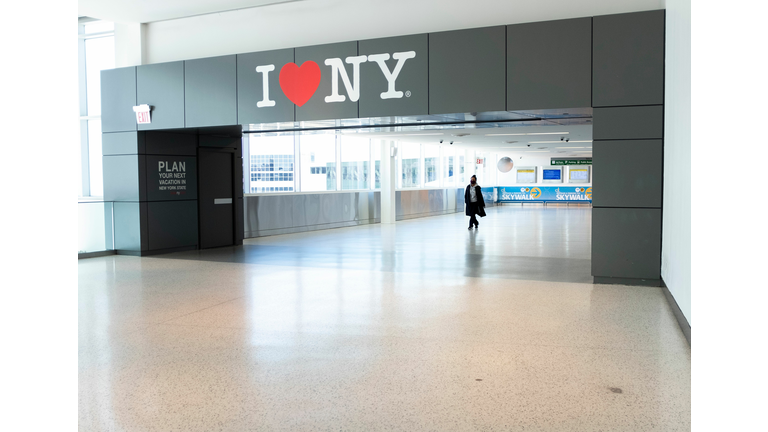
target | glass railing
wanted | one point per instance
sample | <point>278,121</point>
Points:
<point>95,226</point>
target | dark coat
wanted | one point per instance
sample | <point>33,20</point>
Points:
<point>476,208</point>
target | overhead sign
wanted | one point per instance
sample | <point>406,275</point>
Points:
<point>299,83</point>
<point>573,161</point>
<point>142,114</point>
<point>544,193</point>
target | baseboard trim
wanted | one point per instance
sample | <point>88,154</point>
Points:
<point>84,255</point>
<point>627,281</point>
<point>681,320</point>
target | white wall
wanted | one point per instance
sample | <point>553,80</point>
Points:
<point>676,223</point>
<point>324,21</point>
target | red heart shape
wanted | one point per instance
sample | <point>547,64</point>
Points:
<point>300,83</point>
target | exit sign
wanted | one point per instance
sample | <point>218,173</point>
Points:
<point>142,114</point>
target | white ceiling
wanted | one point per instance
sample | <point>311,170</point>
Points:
<point>144,11</point>
<point>539,141</point>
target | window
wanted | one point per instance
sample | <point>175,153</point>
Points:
<point>376,157</point>
<point>431,157</point>
<point>449,165</point>
<point>271,163</point>
<point>96,52</point>
<point>318,152</point>
<point>355,162</point>
<point>410,164</point>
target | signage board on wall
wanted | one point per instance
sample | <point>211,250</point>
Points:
<point>299,83</point>
<point>171,177</point>
<point>573,161</point>
<point>544,193</point>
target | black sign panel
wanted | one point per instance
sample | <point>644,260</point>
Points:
<point>171,178</point>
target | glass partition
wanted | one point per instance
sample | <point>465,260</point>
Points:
<point>355,160</point>
<point>94,223</point>
<point>318,162</point>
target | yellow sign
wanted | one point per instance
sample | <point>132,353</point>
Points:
<point>535,193</point>
<point>589,193</point>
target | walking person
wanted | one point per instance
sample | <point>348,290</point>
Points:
<point>473,198</point>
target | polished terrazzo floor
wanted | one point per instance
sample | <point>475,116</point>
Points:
<point>423,325</point>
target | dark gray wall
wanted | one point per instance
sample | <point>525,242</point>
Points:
<point>118,97</point>
<point>161,86</point>
<point>628,146</point>
<point>210,91</point>
<point>250,88</point>
<point>467,70</point>
<point>614,63</point>
<point>316,108</point>
<point>412,80</point>
<point>549,64</point>
<point>628,59</point>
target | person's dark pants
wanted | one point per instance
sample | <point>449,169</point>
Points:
<point>473,213</point>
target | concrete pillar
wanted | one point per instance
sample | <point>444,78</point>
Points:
<point>130,44</point>
<point>388,182</point>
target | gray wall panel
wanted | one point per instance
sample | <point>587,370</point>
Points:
<point>628,59</point>
<point>210,91</point>
<point>127,226</point>
<point>121,177</point>
<point>162,87</point>
<point>250,88</point>
<point>549,64</point>
<point>642,122</point>
<point>316,108</point>
<point>629,173</point>
<point>170,143</point>
<point>467,70</point>
<point>171,224</point>
<point>626,243</point>
<point>118,97</point>
<point>412,80</point>
<point>121,143</point>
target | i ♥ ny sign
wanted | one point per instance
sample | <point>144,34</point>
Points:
<point>299,83</point>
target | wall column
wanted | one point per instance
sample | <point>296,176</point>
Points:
<point>388,182</point>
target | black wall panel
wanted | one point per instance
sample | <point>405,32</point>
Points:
<point>171,224</point>
<point>629,173</point>
<point>412,79</point>
<point>467,70</point>
<point>210,91</point>
<point>170,143</point>
<point>171,178</point>
<point>641,122</point>
<point>122,143</point>
<point>161,86</point>
<point>626,243</point>
<point>118,97</point>
<point>628,59</point>
<point>549,64</point>
<point>316,108</point>
<point>250,88</point>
